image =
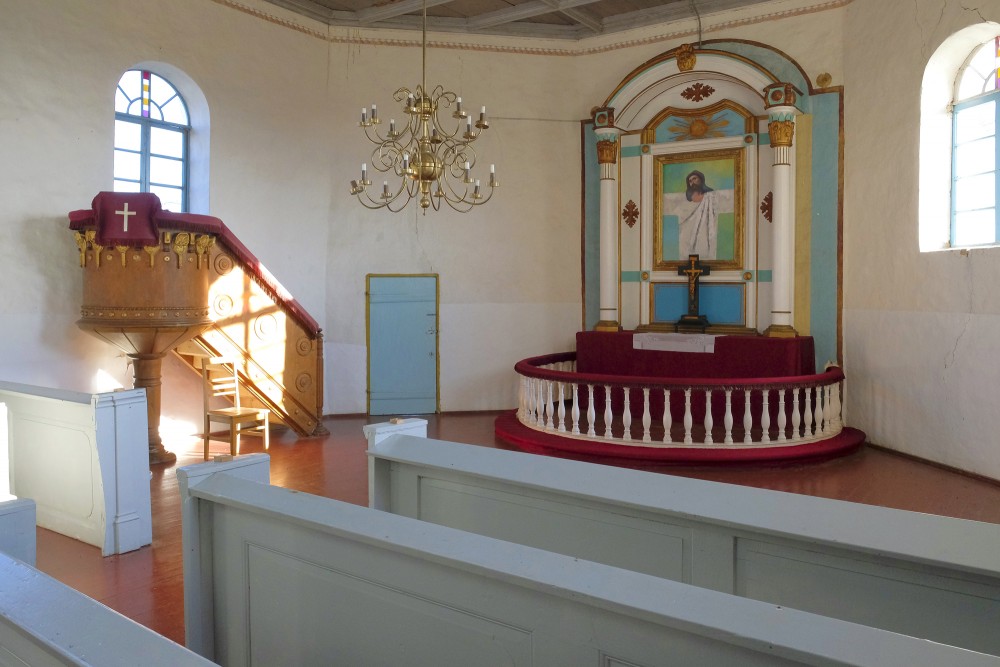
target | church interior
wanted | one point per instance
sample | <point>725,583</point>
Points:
<point>822,132</point>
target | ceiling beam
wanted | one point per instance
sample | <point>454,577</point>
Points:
<point>585,18</point>
<point>523,11</point>
<point>377,13</point>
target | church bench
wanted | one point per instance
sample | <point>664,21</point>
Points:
<point>274,576</point>
<point>17,515</point>
<point>45,623</point>
<point>82,459</point>
<point>916,574</point>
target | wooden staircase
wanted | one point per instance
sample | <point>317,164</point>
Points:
<point>279,352</point>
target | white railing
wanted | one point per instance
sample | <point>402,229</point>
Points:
<point>625,410</point>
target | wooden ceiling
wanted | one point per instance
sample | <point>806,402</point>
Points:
<point>551,19</point>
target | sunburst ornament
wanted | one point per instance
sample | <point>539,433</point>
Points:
<point>698,127</point>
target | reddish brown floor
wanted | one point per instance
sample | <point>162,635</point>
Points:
<point>147,585</point>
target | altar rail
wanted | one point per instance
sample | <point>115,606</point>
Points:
<point>274,576</point>
<point>921,575</point>
<point>83,459</point>
<point>624,410</point>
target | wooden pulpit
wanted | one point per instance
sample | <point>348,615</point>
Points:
<point>145,286</point>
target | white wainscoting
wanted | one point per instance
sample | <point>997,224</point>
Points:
<point>927,576</point>
<point>283,577</point>
<point>84,460</point>
<point>45,623</point>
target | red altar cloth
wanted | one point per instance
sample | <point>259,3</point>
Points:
<point>612,353</point>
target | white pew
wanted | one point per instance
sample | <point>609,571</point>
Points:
<point>916,574</point>
<point>46,623</point>
<point>17,515</point>
<point>83,459</point>
<point>280,577</point>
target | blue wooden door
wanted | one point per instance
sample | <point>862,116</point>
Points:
<point>402,345</point>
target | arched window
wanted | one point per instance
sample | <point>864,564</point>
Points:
<point>152,129</point>
<point>959,151</point>
<point>975,159</point>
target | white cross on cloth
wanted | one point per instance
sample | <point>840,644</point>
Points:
<point>125,213</point>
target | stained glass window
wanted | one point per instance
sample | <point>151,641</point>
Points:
<point>151,139</point>
<point>975,149</point>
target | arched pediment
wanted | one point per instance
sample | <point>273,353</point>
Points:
<point>660,83</point>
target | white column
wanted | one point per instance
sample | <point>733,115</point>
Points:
<point>780,98</point>
<point>607,157</point>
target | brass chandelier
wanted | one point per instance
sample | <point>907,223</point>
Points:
<point>423,157</point>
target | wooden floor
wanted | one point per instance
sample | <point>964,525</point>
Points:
<point>147,585</point>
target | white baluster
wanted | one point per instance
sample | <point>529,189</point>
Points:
<point>765,419</point>
<point>607,411</point>
<point>520,399</point>
<point>728,419</point>
<point>536,393</point>
<point>546,411</point>
<point>807,414</point>
<point>550,406</point>
<point>575,414</point>
<point>781,415</point>
<point>533,406</point>
<point>747,417</point>
<point>591,415</point>
<point>688,419</point>
<point>836,424</point>
<point>627,415</point>
<point>562,408</point>
<point>647,419</point>
<point>820,425</point>
<point>796,418</point>
<point>668,419</point>
<point>708,417</point>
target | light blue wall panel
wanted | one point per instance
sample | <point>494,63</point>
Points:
<point>721,304</point>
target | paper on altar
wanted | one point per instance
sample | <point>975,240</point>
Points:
<point>674,342</point>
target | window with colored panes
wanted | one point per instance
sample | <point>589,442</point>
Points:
<point>151,139</point>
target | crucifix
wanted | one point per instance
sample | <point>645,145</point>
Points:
<point>694,270</point>
<point>125,213</point>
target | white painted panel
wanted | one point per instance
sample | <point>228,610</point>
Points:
<point>60,464</point>
<point>400,624</point>
<point>945,607</point>
<point>659,548</point>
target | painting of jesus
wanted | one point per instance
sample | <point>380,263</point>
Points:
<point>700,198</point>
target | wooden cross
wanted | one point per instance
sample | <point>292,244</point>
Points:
<point>693,270</point>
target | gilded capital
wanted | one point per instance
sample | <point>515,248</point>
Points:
<point>686,57</point>
<point>781,94</point>
<point>603,117</point>
<point>607,151</point>
<point>781,132</point>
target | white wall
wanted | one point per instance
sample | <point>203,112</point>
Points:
<point>285,143</point>
<point>920,329</point>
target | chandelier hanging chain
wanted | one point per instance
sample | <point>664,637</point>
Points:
<point>432,163</point>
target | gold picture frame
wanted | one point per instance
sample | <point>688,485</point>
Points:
<point>699,208</point>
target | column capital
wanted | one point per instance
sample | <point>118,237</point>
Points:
<point>781,133</point>
<point>603,117</point>
<point>781,95</point>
